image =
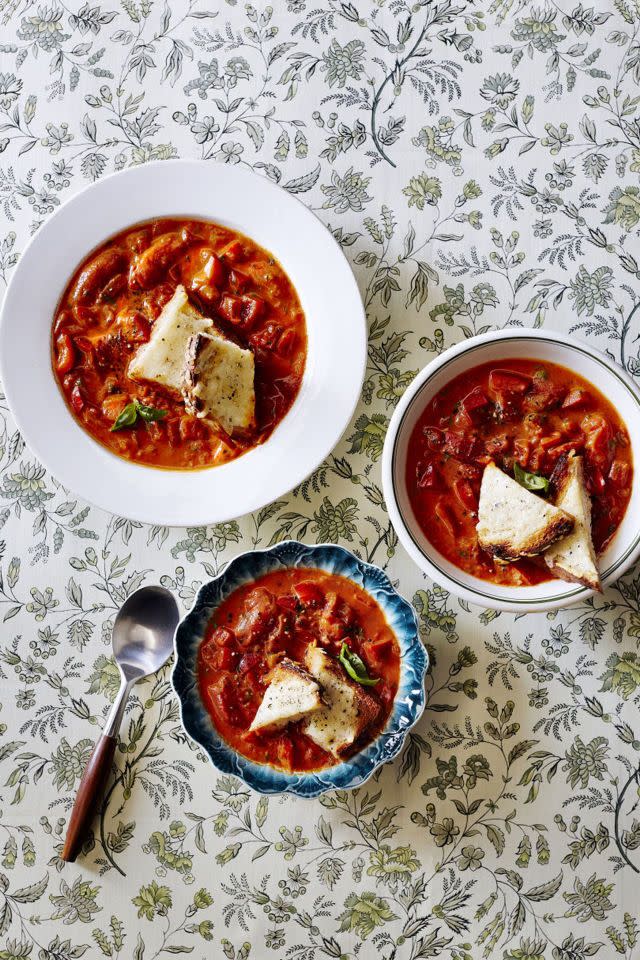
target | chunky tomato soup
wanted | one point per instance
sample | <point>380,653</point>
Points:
<point>520,411</point>
<point>108,310</point>
<point>276,616</point>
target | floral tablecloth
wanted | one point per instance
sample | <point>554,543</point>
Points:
<point>480,166</point>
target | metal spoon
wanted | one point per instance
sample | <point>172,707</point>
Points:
<point>142,642</point>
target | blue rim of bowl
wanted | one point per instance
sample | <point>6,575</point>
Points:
<point>408,704</point>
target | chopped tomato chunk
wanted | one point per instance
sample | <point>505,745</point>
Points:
<point>521,451</point>
<point>210,279</point>
<point>462,446</point>
<point>309,593</point>
<point>133,324</point>
<point>222,694</point>
<point>434,438</point>
<point>595,481</point>
<point>112,406</point>
<point>252,310</point>
<point>462,419</point>
<point>287,602</point>
<point>209,651</point>
<point>268,338</point>
<point>576,400</point>
<point>599,445</point>
<point>466,494</point>
<point>214,271</point>
<point>470,471</point>
<point>222,637</point>
<point>545,395</point>
<point>429,476</point>
<point>537,459</point>
<point>554,452</point>
<point>230,308</point>
<point>476,399</point>
<point>258,615</point>
<point>620,473</point>
<point>66,353</point>
<point>284,752</point>
<point>279,633</point>
<point>77,400</point>
<point>208,293</point>
<point>496,445</point>
<point>190,428</point>
<point>380,650</point>
<point>158,298</point>
<point>287,342</point>
<point>506,381</point>
<point>238,281</point>
<point>233,252</point>
<point>244,311</point>
<point>227,658</point>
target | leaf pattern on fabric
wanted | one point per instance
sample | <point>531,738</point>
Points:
<point>479,164</point>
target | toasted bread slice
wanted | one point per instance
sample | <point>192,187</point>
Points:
<point>162,359</point>
<point>349,710</point>
<point>219,381</point>
<point>291,695</point>
<point>573,558</point>
<point>513,522</point>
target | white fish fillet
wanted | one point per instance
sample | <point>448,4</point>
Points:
<point>349,709</point>
<point>512,521</point>
<point>219,381</point>
<point>163,358</point>
<point>574,558</point>
<point>292,694</point>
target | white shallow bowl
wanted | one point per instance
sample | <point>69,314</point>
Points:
<point>544,345</point>
<point>336,353</point>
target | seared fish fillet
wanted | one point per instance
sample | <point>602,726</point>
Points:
<point>291,695</point>
<point>219,381</point>
<point>162,359</point>
<point>349,710</point>
<point>573,558</point>
<point>513,522</point>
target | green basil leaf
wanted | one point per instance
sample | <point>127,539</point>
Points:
<point>127,418</point>
<point>150,414</point>
<point>530,481</point>
<point>133,411</point>
<point>355,667</point>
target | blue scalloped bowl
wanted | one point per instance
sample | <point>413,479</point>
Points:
<point>408,704</point>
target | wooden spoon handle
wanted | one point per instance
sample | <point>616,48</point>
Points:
<point>94,779</point>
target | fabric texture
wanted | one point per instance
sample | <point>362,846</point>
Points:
<point>480,166</point>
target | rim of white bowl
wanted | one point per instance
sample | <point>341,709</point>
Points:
<point>197,507</point>
<point>428,564</point>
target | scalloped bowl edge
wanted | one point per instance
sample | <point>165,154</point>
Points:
<point>408,705</point>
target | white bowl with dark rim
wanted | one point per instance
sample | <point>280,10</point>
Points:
<point>336,342</point>
<point>548,346</point>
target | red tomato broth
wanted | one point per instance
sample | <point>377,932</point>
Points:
<point>278,615</point>
<point>108,309</point>
<point>527,411</point>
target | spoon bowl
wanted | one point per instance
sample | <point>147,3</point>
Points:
<point>142,638</point>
